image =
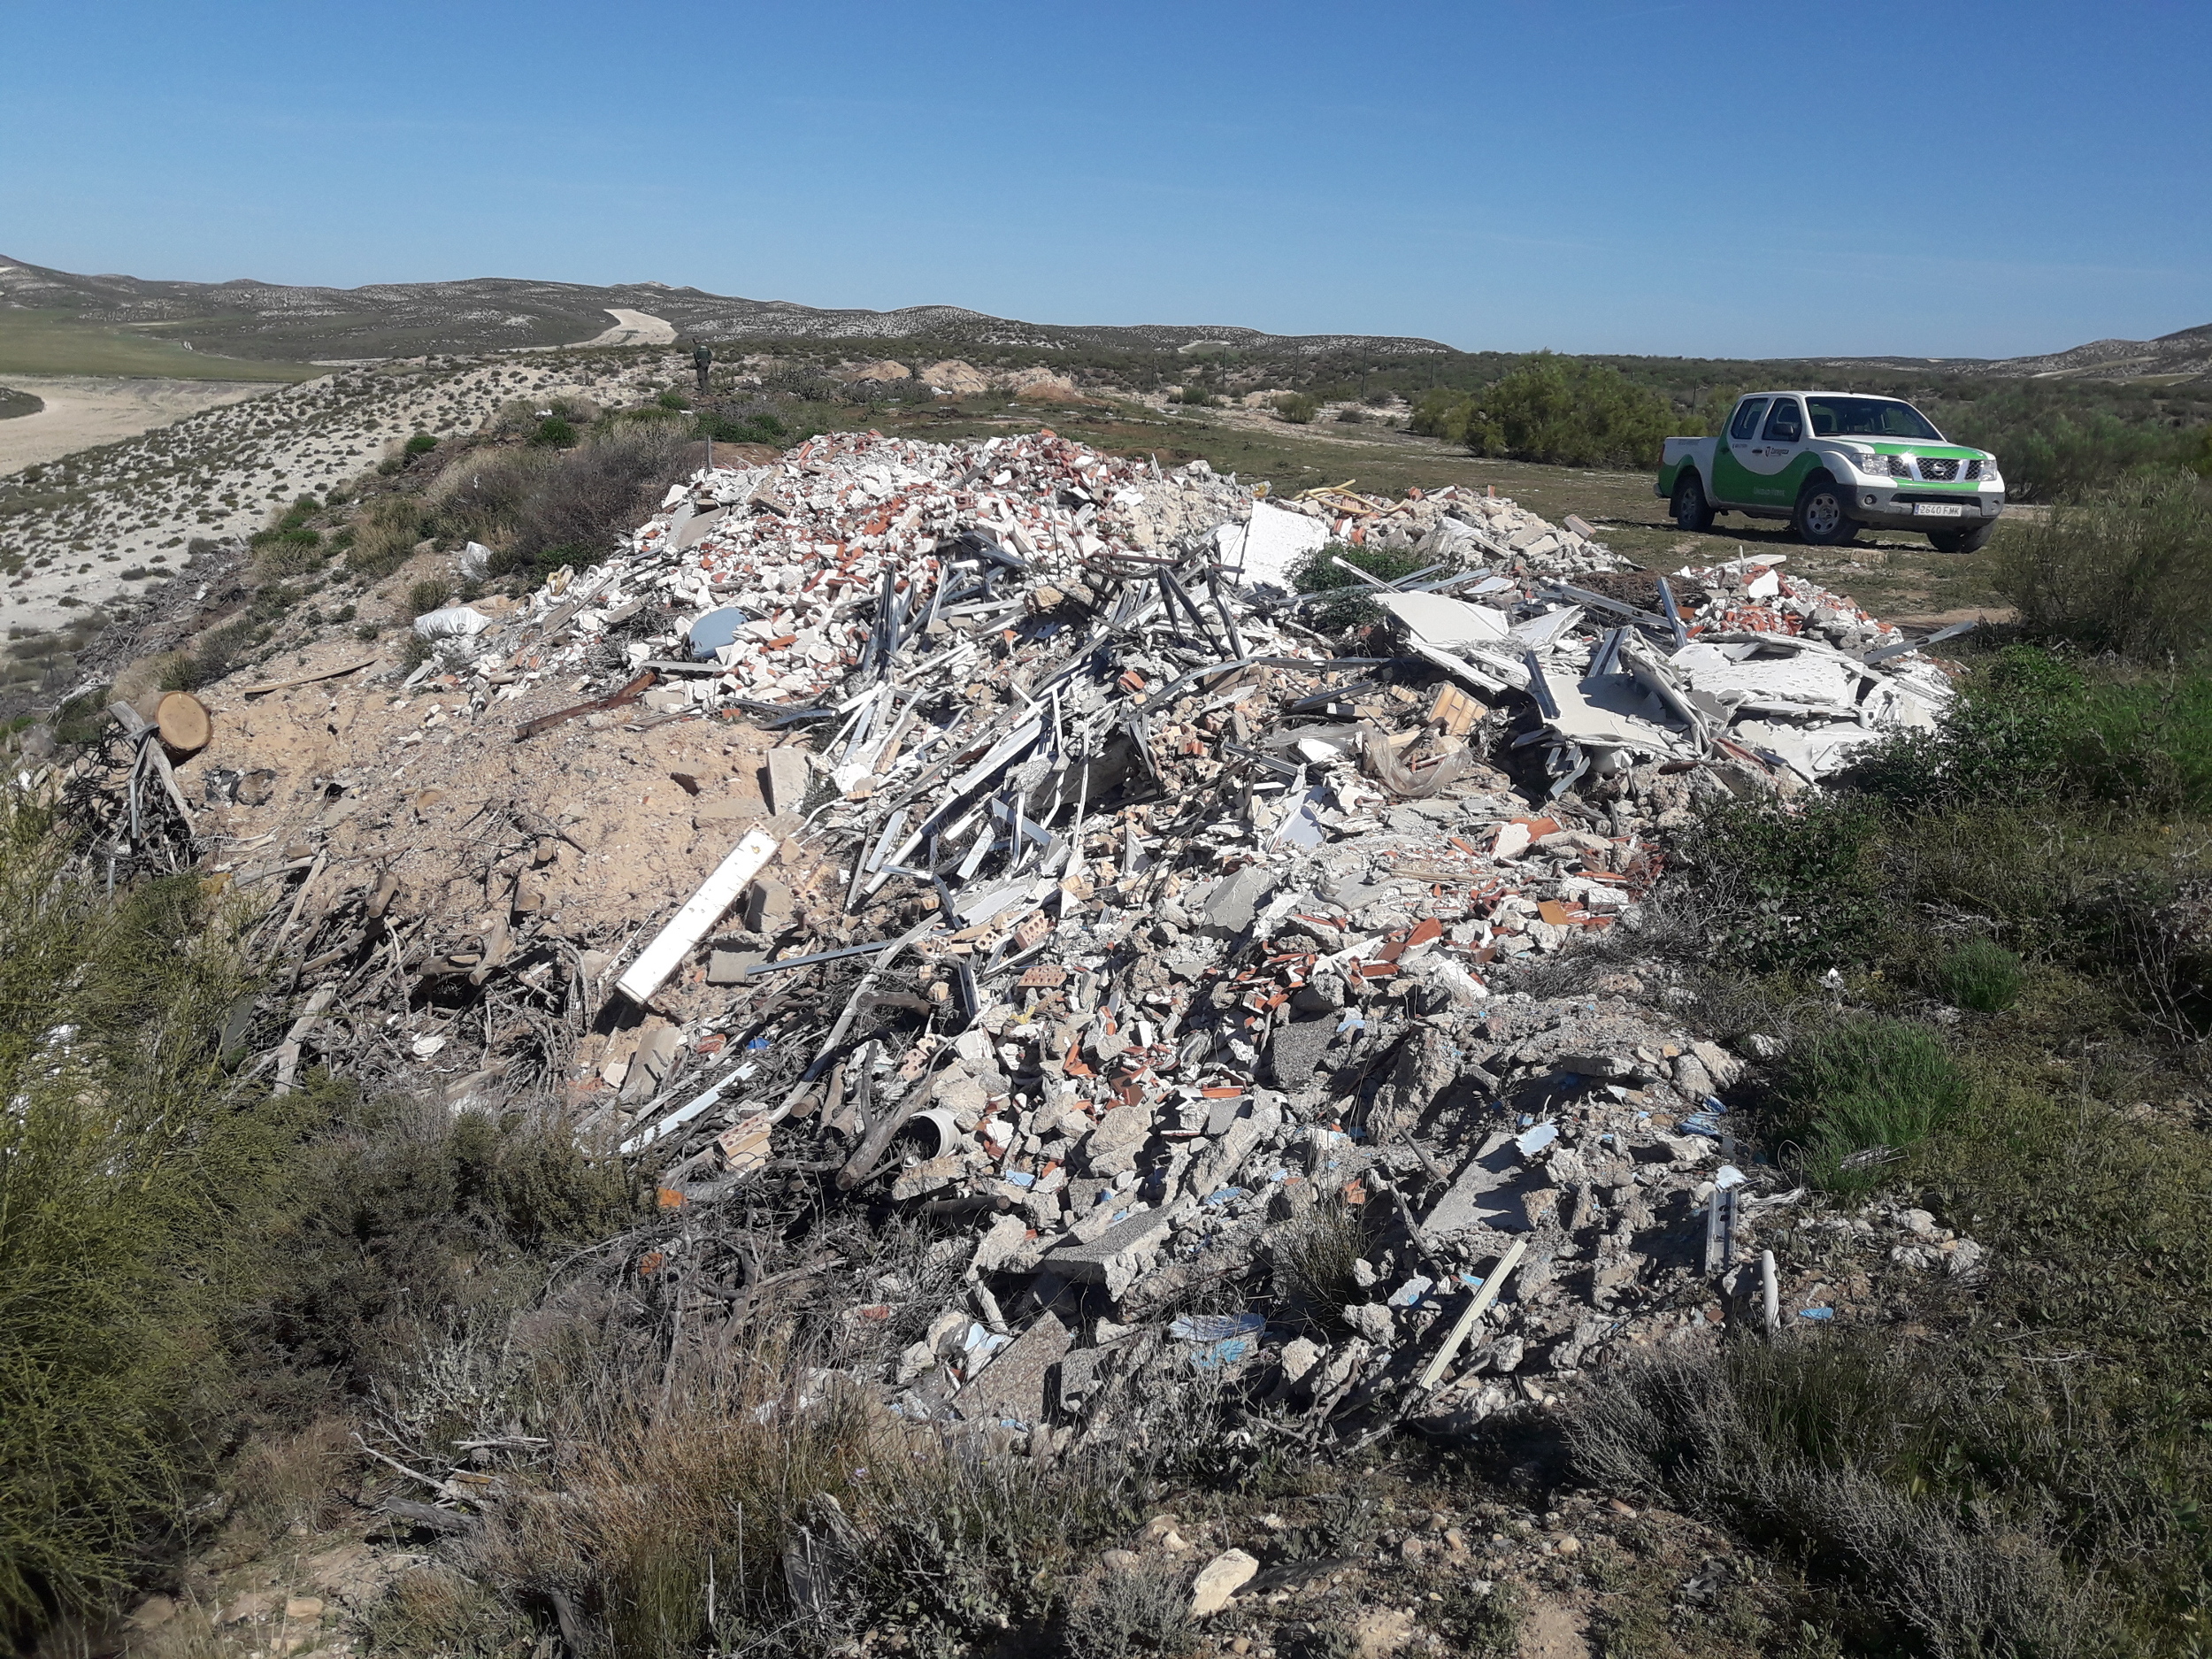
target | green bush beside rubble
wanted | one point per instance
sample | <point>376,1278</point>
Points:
<point>1990,957</point>
<point>188,1260</point>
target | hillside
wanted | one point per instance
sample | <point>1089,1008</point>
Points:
<point>247,318</point>
<point>276,322</point>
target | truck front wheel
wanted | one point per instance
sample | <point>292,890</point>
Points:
<point>1690,510</point>
<point>1820,519</point>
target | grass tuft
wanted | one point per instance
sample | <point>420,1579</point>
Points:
<point>1863,1091</point>
<point>1981,975</point>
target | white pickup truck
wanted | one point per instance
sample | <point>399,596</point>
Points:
<point>1833,462</point>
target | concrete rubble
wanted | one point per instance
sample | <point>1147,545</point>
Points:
<point>1185,972</point>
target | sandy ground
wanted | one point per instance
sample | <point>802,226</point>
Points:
<point>82,410</point>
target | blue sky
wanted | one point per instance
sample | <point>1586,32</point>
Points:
<point>1725,180</point>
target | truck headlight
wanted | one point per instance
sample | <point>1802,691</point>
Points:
<point>1989,474</point>
<point>1875,465</point>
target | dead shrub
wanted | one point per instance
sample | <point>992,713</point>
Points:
<point>1117,1612</point>
<point>286,1482</point>
<point>1836,1449</point>
<point>747,1494</point>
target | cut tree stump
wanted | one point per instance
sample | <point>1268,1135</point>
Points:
<point>184,723</point>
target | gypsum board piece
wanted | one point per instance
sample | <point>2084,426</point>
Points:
<point>1322,699</point>
<point>1221,604</point>
<point>1906,649</point>
<point>761,968</point>
<point>1583,596</point>
<point>1174,688</point>
<point>845,1018</point>
<point>1539,687</point>
<point>1268,763</point>
<point>1608,658</point>
<point>1374,580</point>
<point>1674,614</point>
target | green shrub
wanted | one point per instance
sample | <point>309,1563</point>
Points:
<point>2029,725</point>
<point>385,529</point>
<point>219,652</point>
<point>554,433</point>
<point>1196,397</point>
<point>673,400</point>
<point>1981,975</point>
<point>1799,886</point>
<point>1863,1091</point>
<point>433,593</point>
<point>1571,412</point>
<point>759,426</point>
<point>2055,444</point>
<point>1297,408</point>
<point>127,1160</point>
<point>2125,570</point>
<point>1443,411</point>
<point>421,444</point>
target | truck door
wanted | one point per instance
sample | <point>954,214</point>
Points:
<point>1732,479</point>
<point>1772,460</point>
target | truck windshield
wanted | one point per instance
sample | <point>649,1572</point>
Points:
<point>1868,418</point>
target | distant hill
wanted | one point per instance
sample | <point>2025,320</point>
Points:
<point>2181,356</point>
<point>273,323</point>
<point>246,318</point>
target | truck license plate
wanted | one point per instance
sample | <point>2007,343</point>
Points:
<point>1937,510</point>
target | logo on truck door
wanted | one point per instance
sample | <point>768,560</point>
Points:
<point>1732,480</point>
<point>1775,463</point>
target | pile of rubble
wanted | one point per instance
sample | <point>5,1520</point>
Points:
<point>1175,959</point>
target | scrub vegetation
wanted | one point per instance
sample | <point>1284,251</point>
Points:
<point>2010,1031</point>
<point>1985,966</point>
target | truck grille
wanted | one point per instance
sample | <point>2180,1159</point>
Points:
<point>1973,469</point>
<point>1940,470</point>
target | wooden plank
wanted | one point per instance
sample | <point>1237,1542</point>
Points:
<point>309,679</point>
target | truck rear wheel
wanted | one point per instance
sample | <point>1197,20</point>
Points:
<point>1971,541</point>
<point>1820,519</point>
<point>1690,510</point>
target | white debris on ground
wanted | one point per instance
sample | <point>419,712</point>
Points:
<point>1169,936</point>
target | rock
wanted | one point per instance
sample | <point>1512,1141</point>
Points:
<point>1373,1321</point>
<point>1233,906</point>
<point>1117,1259</point>
<point>1296,1050</point>
<point>1012,1387</point>
<point>784,779</point>
<point>1219,1580</point>
<point>1722,1066</point>
<point>1006,1239</point>
<point>1301,1355</point>
<point>304,1608</point>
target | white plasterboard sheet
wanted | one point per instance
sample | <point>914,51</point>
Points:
<point>1446,623</point>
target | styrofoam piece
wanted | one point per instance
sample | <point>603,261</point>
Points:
<point>1268,546</point>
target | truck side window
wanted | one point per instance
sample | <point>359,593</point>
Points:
<point>1746,425</point>
<point>1784,426</point>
